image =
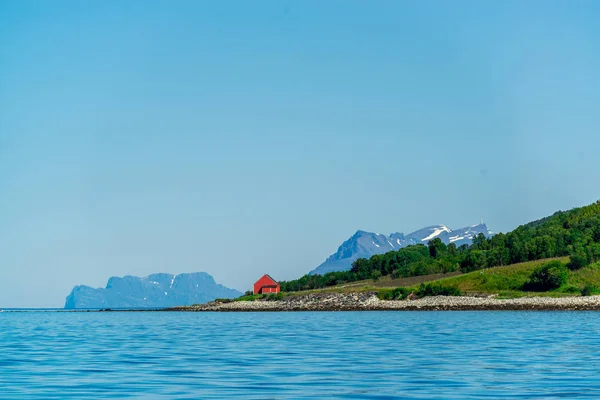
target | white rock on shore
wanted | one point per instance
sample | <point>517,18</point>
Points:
<point>369,301</point>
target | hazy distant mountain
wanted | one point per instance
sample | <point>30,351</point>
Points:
<point>365,244</point>
<point>157,290</point>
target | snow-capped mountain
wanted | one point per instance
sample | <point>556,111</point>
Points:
<point>365,244</point>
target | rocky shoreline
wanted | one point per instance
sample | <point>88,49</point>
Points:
<point>368,301</point>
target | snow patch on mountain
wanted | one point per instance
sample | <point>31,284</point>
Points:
<point>366,244</point>
<point>436,232</point>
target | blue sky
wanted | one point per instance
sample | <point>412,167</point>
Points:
<point>242,138</point>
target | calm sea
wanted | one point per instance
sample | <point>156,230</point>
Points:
<point>368,355</point>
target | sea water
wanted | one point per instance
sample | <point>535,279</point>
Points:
<point>300,355</point>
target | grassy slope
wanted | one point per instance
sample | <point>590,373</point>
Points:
<point>491,280</point>
<point>388,282</point>
<point>505,281</point>
<point>589,275</point>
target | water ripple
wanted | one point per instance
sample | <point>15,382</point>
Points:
<point>375,355</point>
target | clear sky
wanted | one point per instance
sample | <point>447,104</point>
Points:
<point>242,138</point>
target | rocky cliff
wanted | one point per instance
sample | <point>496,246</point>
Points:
<point>157,290</point>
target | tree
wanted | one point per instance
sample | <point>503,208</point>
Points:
<point>480,242</point>
<point>362,268</point>
<point>375,275</point>
<point>579,259</point>
<point>476,259</point>
<point>436,248</point>
<point>548,276</point>
<point>452,249</point>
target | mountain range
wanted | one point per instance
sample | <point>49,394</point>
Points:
<point>167,290</point>
<point>366,244</point>
<point>156,290</point>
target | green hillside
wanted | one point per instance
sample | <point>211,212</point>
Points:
<point>495,280</point>
<point>511,281</point>
<point>573,236</point>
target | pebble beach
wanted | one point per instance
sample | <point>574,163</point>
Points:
<point>368,301</point>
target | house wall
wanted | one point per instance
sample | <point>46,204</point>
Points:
<point>263,282</point>
<point>271,290</point>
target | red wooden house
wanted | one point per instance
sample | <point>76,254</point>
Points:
<point>266,284</point>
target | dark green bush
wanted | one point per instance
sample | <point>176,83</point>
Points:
<point>570,289</point>
<point>437,289</point>
<point>400,293</point>
<point>588,290</point>
<point>393,294</point>
<point>547,277</point>
<point>274,297</point>
<point>252,297</point>
<point>375,275</point>
<point>579,260</point>
<point>385,294</point>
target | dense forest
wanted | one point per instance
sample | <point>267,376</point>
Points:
<point>574,233</point>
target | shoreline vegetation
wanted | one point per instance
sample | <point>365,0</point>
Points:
<point>571,237</point>
<point>541,285</point>
<point>369,301</point>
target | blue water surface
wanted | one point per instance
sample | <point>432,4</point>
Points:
<point>301,355</point>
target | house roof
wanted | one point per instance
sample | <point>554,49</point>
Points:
<point>268,276</point>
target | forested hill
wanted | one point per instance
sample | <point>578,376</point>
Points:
<point>574,233</point>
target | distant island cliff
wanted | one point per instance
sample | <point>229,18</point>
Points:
<point>156,290</point>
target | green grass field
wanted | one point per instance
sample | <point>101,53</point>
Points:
<point>510,278</point>
<point>506,282</point>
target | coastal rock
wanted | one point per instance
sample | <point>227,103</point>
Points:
<point>153,291</point>
<point>368,301</point>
